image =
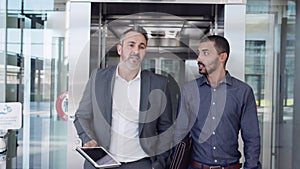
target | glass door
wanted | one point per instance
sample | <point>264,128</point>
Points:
<point>260,72</point>
<point>36,72</point>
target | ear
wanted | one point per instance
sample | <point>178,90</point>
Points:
<point>119,49</point>
<point>223,57</point>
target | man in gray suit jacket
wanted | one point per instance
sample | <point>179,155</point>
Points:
<point>128,110</point>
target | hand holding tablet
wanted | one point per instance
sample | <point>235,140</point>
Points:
<point>98,157</point>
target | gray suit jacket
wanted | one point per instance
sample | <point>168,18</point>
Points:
<point>93,116</point>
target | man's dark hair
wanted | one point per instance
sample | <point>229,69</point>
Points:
<point>137,29</point>
<point>220,43</point>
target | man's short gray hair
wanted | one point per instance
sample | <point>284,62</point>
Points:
<point>137,29</point>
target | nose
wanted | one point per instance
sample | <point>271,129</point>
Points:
<point>135,50</point>
<point>199,58</point>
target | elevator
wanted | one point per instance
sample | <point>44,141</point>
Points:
<point>174,29</point>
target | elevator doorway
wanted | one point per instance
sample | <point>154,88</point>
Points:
<point>174,31</point>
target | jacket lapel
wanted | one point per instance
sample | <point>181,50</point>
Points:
<point>104,86</point>
<point>145,90</point>
<point>110,87</point>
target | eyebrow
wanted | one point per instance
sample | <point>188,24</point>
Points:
<point>142,43</point>
<point>203,50</point>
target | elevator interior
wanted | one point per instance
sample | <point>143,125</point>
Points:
<point>174,31</point>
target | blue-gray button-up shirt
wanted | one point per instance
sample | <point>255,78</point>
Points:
<point>214,117</point>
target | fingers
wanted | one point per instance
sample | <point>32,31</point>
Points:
<point>91,143</point>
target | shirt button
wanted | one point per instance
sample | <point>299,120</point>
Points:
<point>213,117</point>
<point>213,133</point>
<point>214,103</point>
<point>215,161</point>
<point>214,148</point>
<point>214,90</point>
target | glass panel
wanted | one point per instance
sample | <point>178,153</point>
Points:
<point>2,49</point>
<point>270,57</point>
<point>255,68</point>
<point>14,5</point>
<point>38,5</point>
<point>37,77</point>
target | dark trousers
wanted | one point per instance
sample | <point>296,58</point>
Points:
<point>144,163</point>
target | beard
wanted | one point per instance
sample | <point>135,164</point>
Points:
<point>208,68</point>
<point>132,62</point>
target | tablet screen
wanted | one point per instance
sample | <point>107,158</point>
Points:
<point>99,156</point>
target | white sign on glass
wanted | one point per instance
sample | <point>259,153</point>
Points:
<point>10,115</point>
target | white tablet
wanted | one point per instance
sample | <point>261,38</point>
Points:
<point>98,157</point>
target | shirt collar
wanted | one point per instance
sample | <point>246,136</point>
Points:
<point>226,80</point>
<point>138,76</point>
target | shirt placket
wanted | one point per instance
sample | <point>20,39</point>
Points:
<point>122,124</point>
<point>213,124</point>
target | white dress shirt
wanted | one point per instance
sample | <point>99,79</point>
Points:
<point>124,144</point>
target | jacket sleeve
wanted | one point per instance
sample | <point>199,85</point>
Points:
<point>84,114</point>
<point>165,132</point>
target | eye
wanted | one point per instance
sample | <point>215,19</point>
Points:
<point>205,53</point>
<point>142,47</point>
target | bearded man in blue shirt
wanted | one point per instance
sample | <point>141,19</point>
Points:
<point>214,109</point>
